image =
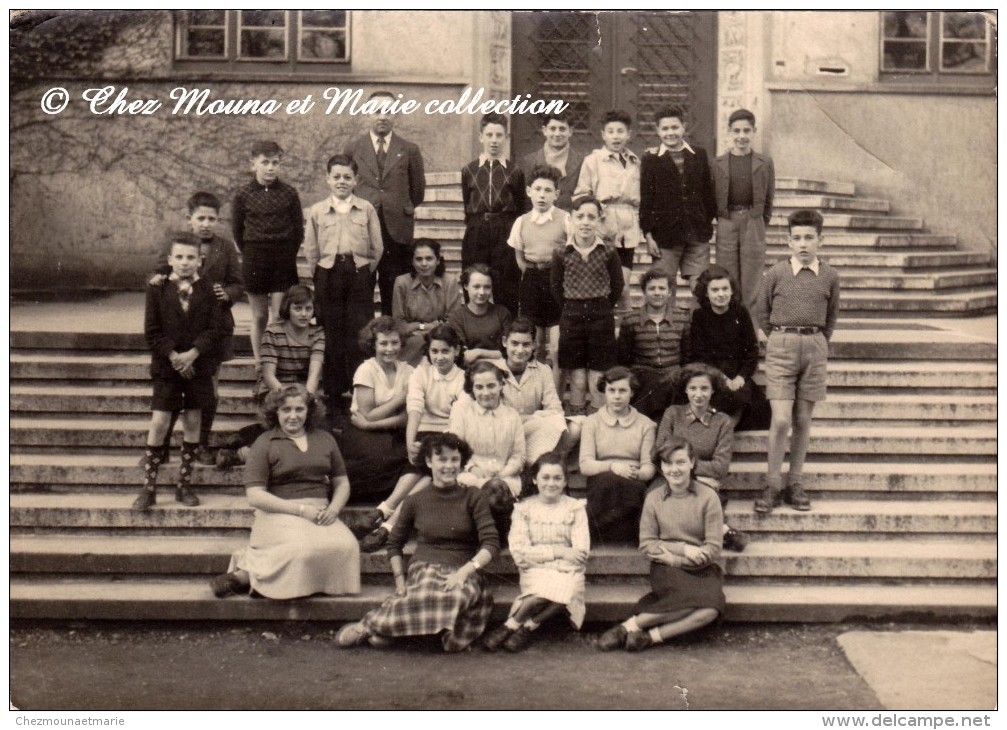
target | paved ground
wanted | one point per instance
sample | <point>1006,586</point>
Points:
<point>88,666</point>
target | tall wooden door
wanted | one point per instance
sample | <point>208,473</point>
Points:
<point>596,61</point>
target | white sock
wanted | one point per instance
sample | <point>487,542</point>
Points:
<point>385,510</point>
<point>655,634</point>
<point>631,625</point>
<point>530,625</point>
<point>512,624</point>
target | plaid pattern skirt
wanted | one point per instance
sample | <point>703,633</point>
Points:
<point>427,608</point>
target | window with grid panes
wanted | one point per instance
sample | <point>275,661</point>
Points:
<point>935,45</point>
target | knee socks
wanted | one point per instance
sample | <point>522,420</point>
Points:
<point>206,417</point>
<point>152,459</point>
<point>188,460</point>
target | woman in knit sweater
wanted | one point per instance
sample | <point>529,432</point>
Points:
<point>456,537</point>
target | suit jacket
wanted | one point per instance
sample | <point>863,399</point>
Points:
<point>763,185</point>
<point>399,189</point>
<point>569,182</point>
<point>168,328</point>
<point>675,211</point>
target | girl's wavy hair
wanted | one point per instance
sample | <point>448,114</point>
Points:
<point>678,443</point>
<point>275,399</point>
<point>434,246</point>
<point>482,366</point>
<point>448,335</point>
<point>467,277</point>
<point>529,487</point>
<point>695,370</point>
<point>619,372</point>
<point>436,443</point>
<point>711,274</point>
<point>383,325</point>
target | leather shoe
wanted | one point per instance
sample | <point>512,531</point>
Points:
<point>796,497</point>
<point>145,500</point>
<point>204,456</point>
<point>353,634</point>
<point>518,640</point>
<point>227,458</point>
<point>735,540</point>
<point>374,541</point>
<point>186,497</point>
<point>497,637</point>
<point>614,638</point>
<point>226,585</point>
<point>638,641</point>
<point>769,499</point>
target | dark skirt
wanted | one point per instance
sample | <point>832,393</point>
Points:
<point>675,589</point>
<point>374,461</point>
<point>614,504</point>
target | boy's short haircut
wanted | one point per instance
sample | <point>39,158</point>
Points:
<point>805,217</point>
<point>545,172</point>
<point>203,200</point>
<point>582,200</point>
<point>492,118</point>
<point>653,275</point>
<point>739,114</point>
<point>520,326</point>
<point>266,149</point>
<point>669,111</point>
<point>616,115</point>
<point>184,238</point>
<point>562,116</point>
<point>344,160</point>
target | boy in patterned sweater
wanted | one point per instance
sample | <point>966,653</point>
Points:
<point>268,226</point>
<point>799,307</point>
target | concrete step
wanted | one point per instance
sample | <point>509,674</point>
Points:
<point>907,374</point>
<point>907,261</point>
<point>793,201</point>
<point>443,195</point>
<point>958,301</point>
<point>777,240</point>
<point>785,185</point>
<point>102,511</point>
<point>439,213</point>
<point>99,555</point>
<point>931,441</point>
<point>924,282</point>
<point>922,407</point>
<point>96,430</point>
<point>67,399</point>
<point>118,367</point>
<point>188,599</point>
<point>95,471</point>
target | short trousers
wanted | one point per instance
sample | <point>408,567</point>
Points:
<point>693,259</point>
<point>265,275</point>
<point>175,393</point>
<point>796,366</point>
<point>536,300</point>
<point>587,335</point>
<point>626,257</point>
<point>621,226</point>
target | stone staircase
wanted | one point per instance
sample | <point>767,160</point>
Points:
<point>902,466</point>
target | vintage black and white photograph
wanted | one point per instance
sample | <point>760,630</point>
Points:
<point>503,360</point>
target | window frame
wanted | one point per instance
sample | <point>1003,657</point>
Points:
<point>933,44</point>
<point>233,62</point>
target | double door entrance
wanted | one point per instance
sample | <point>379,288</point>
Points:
<point>596,61</point>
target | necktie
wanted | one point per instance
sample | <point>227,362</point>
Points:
<point>382,156</point>
<point>622,159</point>
<point>184,293</point>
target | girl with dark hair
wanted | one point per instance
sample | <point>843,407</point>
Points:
<point>616,447</point>
<point>549,541</point>
<point>721,335</point>
<point>680,531</point>
<point>480,322</point>
<point>444,591</point>
<point>292,349</point>
<point>297,484</point>
<point>423,298</point>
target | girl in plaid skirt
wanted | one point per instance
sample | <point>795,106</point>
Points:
<point>444,592</point>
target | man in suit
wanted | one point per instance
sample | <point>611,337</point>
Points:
<point>390,177</point>
<point>559,153</point>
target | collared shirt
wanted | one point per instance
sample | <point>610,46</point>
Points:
<point>495,190</point>
<point>796,266</point>
<point>556,159</point>
<point>603,176</point>
<point>534,392</point>
<point>628,439</point>
<point>277,464</point>
<point>496,436</point>
<point>642,341</point>
<point>712,438</point>
<point>432,395</point>
<point>374,141</point>
<point>537,235</point>
<point>414,302</point>
<point>589,273</point>
<point>330,233</point>
<point>664,148</point>
<point>799,298</point>
<point>484,158</point>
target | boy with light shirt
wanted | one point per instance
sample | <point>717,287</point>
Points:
<point>799,307</point>
<point>745,183</point>
<point>557,152</point>
<point>677,204</point>
<point>342,244</point>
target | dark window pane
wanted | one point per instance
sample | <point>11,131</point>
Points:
<point>206,17</point>
<point>959,56</point>
<point>905,56</point>
<point>323,45</point>
<point>964,25</point>
<point>263,44</point>
<point>204,43</point>
<point>263,18</point>
<point>904,24</point>
<point>323,18</point>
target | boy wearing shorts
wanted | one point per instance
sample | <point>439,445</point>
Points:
<point>677,204</point>
<point>587,280</point>
<point>268,226</point>
<point>799,307</point>
<point>184,326</point>
<point>535,237</point>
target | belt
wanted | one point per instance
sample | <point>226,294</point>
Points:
<point>539,265</point>
<point>343,257</point>
<point>798,330</point>
<point>738,208</point>
<point>490,216</point>
<point>585,302</point>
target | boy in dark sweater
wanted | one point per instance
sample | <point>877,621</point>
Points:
<point>799,307</point>
<point>184,326</point>
<point>268,226</point>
